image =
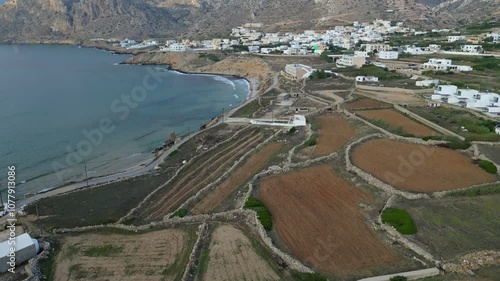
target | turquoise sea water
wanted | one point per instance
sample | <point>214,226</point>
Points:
<point>53,97</point>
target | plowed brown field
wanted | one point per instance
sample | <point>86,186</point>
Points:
<point>253,165</point>
<point>367,103</point>
<point>316,216</point>
<point>159,255</point>
<point>233,257</point>
<point>334,133</point>
<point>396,119</point>
<point>418,168</point>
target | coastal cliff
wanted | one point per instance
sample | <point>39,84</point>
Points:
<point>253,68</point>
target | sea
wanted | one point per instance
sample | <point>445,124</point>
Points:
<point>63,106</point>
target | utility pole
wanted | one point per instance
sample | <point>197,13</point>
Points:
<point>86,177</point>
<point>37,216</point>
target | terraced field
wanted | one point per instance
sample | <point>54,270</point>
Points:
<point>334,133</point>
<point>315,214</point>
<point>397,120</point>
<point>199,173</point>
<point>418,168</point>
<point>242,174</point>
<point>159,255</point>
<point>232,256</point>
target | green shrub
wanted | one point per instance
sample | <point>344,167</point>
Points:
<point>263,214</point>
<point>476,191</point>
<point>400,220</point>
<point>312,140</point>
<point>179,213</point>
<point>301,276</point>
<point>488,166</point>
<point>458,144</point>
<point>398,278</point>
<point>292,130</point>
<point>173,152</point>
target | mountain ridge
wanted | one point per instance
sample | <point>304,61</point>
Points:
<point>46,20</point>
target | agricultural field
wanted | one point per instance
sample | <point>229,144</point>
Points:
<point>476,127</point>
<point>366,103</point>
<point>242,174</point>
<point>315,214</point>
<point>418,168</point>
<point>397,122</point>
<point>397,97</point>
<point>334,132</point>
<point>157,255</point>
<point>454,226</point>
<point>231,255</point>
<point>491,151</point>
<point>199,173</point>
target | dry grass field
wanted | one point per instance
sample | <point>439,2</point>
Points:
<point>242,174</point>
<point>418,168</point>
<point>315,214</point>
<point>367,103</point>
<point>232,256</point>
<point>398,120</point>
<point>335,132</point>
<point>159,255</point>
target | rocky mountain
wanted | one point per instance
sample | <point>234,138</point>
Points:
<point>60,20</point>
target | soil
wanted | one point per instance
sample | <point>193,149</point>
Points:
<point>251,166</point>
<point>233,257</point>
<point>142,257</point>
<point>396,119</point>
<point>367,103</point>
<point>335,132</point>
<point>418,168</point>
<point>315,214</point>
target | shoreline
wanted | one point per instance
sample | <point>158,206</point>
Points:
<point>145,166</point>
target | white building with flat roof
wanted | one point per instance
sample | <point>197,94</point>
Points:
<point>350,60</point>
<point>388,55</point>
<point>483,101</point>
<point>24,248</point>
<point>445,65</point>
<point>474,49</point>
<point>455,38</point>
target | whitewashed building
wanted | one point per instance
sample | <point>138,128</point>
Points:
<point>455,38</point>
<point>483,101</point>
<point>298,71</point>
<point>445,65</point>
<point>388,55</point>
<point>25,248</point>
<point>475,49</point>
<point>177,47</point>
<point>366,79</point>
<point>427,83</point>
<point>350,60</point>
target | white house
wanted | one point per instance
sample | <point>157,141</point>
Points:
<point>475,49</point>
<point>177,47</point>
<point>456,38</point>
<point>350,60</point>
<point>445,65</point>
<point>497,129</point>
<point>361,54</point>
<point>426,83</point>
<point>482,101</point>
<point>25,249</point>
<point>298,71</point>
<point>370,48</point>
<point>366,79</point>
<point>388,55</point>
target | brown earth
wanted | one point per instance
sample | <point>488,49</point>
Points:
<point>251,166</point>
<point>233,257</point>
<point>396,119</point>
<point>315,214</point>
<point>418,168</point>
<point>366,103</point>
<point>136,257</point>
<point>334,132</point>
<point>200,176</point>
